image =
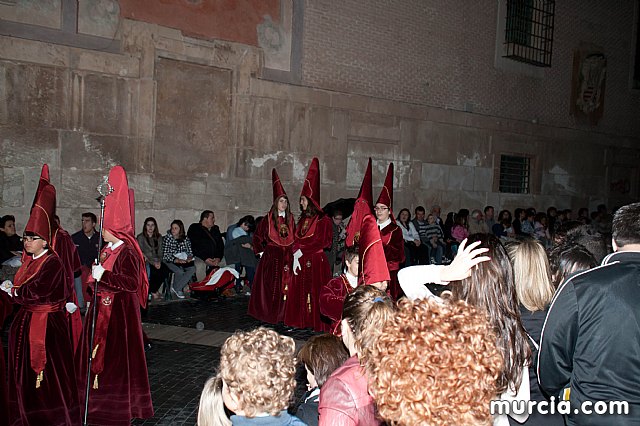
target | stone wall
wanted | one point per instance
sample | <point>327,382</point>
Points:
<point>197,126</point>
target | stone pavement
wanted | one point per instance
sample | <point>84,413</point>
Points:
<point>183,357</point>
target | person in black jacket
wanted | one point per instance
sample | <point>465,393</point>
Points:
<point>206,243</point>
<point>591,338</point>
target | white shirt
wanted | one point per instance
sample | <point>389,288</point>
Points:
<point>40,255</point>
<point>383,224</point>
<point>282,214</point>
<point>114,246</point>
<point>410,234</point>
<point>353,281</point>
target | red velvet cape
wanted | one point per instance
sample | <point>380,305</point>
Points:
<point>302,308</point>
<point>393,244</point>
<point>332,297</point>
<point>6,307</point>
<point>123,384</point>
<point>55,401</point>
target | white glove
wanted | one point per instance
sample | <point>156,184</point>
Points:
<point>296,261</point>
<point>71,307</point>
<point>260,254</point>
<point>96,272</point>
<point>6,286</point>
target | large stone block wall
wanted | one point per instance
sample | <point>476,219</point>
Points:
<point>443,53</point>
<point>197,127</point>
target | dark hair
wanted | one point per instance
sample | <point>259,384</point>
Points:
<point>406,225</point>
<point>462,218</point>
<point>491,288</point>
<point>567,259</point>
<point>90,215</point>
<point>487,208</point>
<point>311,209</point>
<point>366,310</point>
<point>249,220</point>
<point>504,213</point>
<point>6,218</point>
<point>626,225</point>
<point>274,214</point>
<point>337,212</point>
<point>178,222</point>
<point>205,214</point>
<point>155,237</point>
<point>322,355</point>
<point>351,252</point>
<point>419,209</point>
<point>540,216</point>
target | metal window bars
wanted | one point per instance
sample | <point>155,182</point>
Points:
<point>515,172</point>
<point>529,31</point>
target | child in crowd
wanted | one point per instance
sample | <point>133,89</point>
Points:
<point>435,364</point>
<point>333,293</point>
<point>211,411</point>
<point>257,369</point>
<point>321,356</point>
<point>344,398</point>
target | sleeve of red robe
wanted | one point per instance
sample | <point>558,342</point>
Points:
<point>394,249</point>
<point>128,281</point>
<point>321,239</point>
<point>332,299</point>
<point>46,287</point>
<point>260,236</point>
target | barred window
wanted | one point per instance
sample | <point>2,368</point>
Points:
<point>514,174</point>
<point>529,31</point>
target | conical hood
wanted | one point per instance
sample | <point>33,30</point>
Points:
<point>373,264</point>
<point>366,189</point>
<point>44,208</point>
<point>117,209</point>
<point>386,195</point>
<point>311,185</point>
<point>278,189</point>
<point>362,207</point>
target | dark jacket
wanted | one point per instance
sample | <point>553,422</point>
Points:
<point>205,243</point>
<point>591,340</point>
<point>308,410</point>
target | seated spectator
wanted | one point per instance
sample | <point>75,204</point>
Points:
<point>239,251</point>
<point>333,293</point>
<point>206,240</point>
<point>527,226</point>
<point>477,224</point>
<point>411,237</point>
<point>489,218</point>
<point>519,216</point>
<point>344,398</point>
<point>258,375</point>
<point>460,229</point>
<point>435,364</point>
<point>321,356</point>
<point>10,242</point>
<point>177,255</point>
<point>338,244</point>
<point>503,229</point>
<point>150,242</point>
<point>435,241</point>
<point>211,410</point>
<point>541,232</point>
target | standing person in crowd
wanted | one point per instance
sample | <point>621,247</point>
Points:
<point>10,243</point>
<point>390,233</point>
<point>311,269</point>
<point>42,380</point>
<point>411,237</point>
<point>207,244</point>
<point>333,293</point>
<point>591,336</point>
<point>119,383</point>
<point>489,219</point>
<point>568,259</point>
<point>435,237</point>
<point>337,245</point>
<point>426,347</point>
<point>321,355</point>
<point>344,398</point>
<point>86,241</point>
<point>177,255</point>
<point>239,251</point>
<point>150,242</point>
<point>273,240</point>
<point>534,289</point>
<point>460,229</point>
<point>258,377</point>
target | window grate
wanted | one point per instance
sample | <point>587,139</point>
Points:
<point>514,174</point>
<point>529,31</point>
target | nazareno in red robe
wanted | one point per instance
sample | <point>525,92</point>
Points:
<point>39,340</point>
<point>273,274</point>
<point>332,297</point>
<point>393,244</point>
<point>302,308</point>
<point>121,390</point>
<point>6,307</point>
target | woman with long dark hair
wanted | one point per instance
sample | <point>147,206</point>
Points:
<point>178,256</point>
<point>411,237</point>
<point>273,240</point>
<point>150,242</point>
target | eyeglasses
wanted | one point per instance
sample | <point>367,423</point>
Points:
<point>381,208</point>
<point>30,239</point>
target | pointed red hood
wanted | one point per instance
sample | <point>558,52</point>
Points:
<point>362,207</point>
<point>311,185</point>
<point>373,264</point>
<point>278,189</point>
<point>44,208</point>
<point>386,195</point>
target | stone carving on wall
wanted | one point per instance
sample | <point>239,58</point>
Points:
<point>589,77</point>
<point>275,38</point>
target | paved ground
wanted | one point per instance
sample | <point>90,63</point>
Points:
<point>182,356</point>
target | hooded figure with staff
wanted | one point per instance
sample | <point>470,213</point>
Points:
<point>42,379</point>
<point>118,382</point>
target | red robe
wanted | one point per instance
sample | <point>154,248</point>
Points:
<point>41,291</point>
<point>332,297</point>
<point>273,273</point>
<point>66,249</point>
<point>393,244</point>
<point>6,307</point>
<point>122,391</point>
<point>302,308</point>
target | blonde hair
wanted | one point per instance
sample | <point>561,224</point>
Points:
<point>435,364</point>
<point>211,409</point>
<point>532,275</point>
<point>258,367</point>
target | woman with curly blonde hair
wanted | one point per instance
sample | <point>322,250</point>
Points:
<point>258,377</point>
<point>424,349</point>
